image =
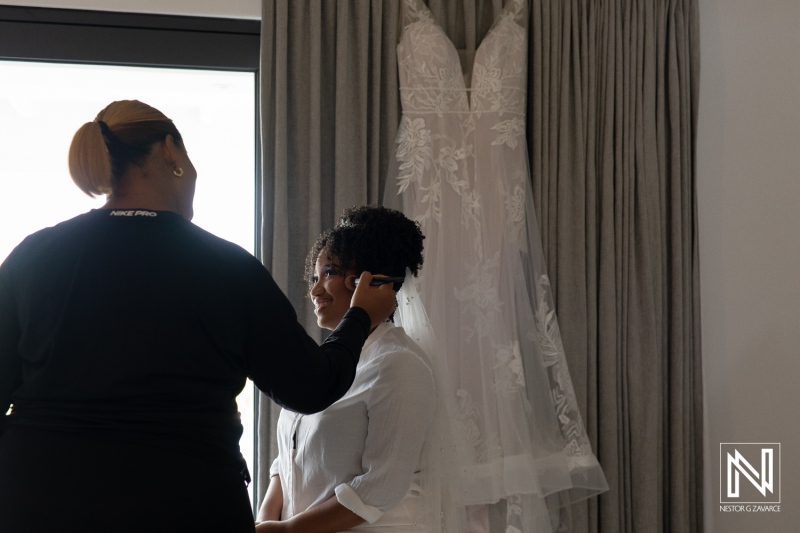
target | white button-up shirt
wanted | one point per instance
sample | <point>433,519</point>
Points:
<point>366,447</point>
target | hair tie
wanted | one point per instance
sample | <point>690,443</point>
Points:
<point>104,128</point>
<point>111,142</point>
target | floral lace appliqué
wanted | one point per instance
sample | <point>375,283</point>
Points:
<point>413,150</point>
<point>480,296</point>
<point>510,131</point>
<point>509,372</point>
<point>563,394</point>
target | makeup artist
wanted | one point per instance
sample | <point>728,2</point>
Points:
<point>126,334</point>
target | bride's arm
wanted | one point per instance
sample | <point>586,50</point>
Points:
<point>272,506</point>
<point>328,517</point>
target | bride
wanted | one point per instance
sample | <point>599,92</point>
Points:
<point>376,459</point>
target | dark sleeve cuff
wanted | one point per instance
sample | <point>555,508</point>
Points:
<point>362,317</point>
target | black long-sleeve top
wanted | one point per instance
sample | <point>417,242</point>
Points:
<point>141,323</point>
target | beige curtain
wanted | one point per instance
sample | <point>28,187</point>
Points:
<point>611,133</point>
<point>611,130</point>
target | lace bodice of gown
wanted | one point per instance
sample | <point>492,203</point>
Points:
<point>462,173</point>
<point>430,69</point>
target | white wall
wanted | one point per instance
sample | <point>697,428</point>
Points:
<point>749,214</point>
<point>749,195</point>
<point>243,9</point>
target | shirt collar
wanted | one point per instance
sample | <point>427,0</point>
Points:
<point>379,332</point>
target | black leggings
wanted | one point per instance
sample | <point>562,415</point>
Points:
<point>69,481</point>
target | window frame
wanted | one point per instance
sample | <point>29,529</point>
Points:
<point>72,35</point>
<point>143,40</point>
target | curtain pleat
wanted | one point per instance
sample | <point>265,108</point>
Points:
<point>611,130</point>
<point>612,121</point>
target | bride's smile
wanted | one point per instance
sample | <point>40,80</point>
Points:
<point>329,291</point>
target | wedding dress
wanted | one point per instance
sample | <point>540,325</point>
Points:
<point>462,173</point>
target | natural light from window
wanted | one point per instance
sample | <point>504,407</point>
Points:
<point>43,104</point>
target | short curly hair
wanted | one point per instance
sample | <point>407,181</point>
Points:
<point>372,238</point>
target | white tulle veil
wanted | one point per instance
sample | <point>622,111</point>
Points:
<point>440,483</point>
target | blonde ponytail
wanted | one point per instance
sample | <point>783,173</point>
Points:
<point>122,135</point>
<point>89,160</point>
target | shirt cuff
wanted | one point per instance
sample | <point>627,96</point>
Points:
<point>349,499</point>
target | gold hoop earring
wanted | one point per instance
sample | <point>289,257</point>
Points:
<point>178,172</point>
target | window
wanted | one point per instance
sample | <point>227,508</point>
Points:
<point>42,104</point>
<point>200,72</point>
